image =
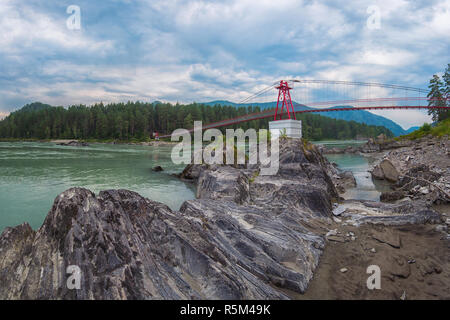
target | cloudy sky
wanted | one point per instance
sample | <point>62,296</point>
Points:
<point>207,50</point>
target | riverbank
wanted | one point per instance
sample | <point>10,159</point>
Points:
<point>413,260</point>
<point>412,257</point>
<point>420,170</point>
<point>246,236</point>
<point>152,143</point>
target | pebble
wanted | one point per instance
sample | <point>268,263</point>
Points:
<point>343,270</point>
<point>373,250</point>
<point>339,210</point>
<point>424,190</point>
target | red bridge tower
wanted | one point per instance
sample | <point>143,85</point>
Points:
<point>284,96</point>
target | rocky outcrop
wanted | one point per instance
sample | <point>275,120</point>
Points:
<point>129,247</point>
<point>389,196</point>
<point>157,169</point>
<point>247,236</point>
<point>381,144</point>
<point>389,214</point>
<point>344,180</point>
<point>74,143</point>
<point>422,169</point>
<point>385,170</point>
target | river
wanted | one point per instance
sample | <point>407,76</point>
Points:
<point>34,173</point>
<point>366,188</point>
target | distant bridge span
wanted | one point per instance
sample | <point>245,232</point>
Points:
<point>270,114</point>
<point>318,96</point>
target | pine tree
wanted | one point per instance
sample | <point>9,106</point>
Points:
<point>188,122</point>
<point>446,78</point>
<point>436,98</point>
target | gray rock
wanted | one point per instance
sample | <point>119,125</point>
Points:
<point>74,144</point>
<point>377,173</point>
<point>389,171</point>
<point>129,247</point>
<point>389,196</point>
<point>418,217</point>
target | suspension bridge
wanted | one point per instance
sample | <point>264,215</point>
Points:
<point>286,98</point>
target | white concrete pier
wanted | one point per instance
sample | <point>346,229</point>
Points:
<point>292,128</point>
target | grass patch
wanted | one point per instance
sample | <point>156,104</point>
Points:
<point>441,129</point>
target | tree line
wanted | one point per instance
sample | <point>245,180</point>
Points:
<point>138,121</point>
<point>439,95</point>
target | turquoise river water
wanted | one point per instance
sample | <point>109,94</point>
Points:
<point>33,174</point>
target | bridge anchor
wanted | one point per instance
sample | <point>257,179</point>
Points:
<point>291,127</point>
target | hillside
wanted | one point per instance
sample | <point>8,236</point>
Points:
<point>138,120</point>
<point>412,129</point>
<point>360,116</point>
<point>35,106</point>
<point>441,128</point>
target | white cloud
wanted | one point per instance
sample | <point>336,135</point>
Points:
<point>406,119</point>
<point>24,28</point>
<point>3,115</point>
<point>192,50</point>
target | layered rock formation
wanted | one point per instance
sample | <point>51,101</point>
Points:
<point>247,236</point>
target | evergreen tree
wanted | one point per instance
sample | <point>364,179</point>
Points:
<point>137,120</point>
<point>446,78</point>
<point>188,122</point>
<point>436,98</point>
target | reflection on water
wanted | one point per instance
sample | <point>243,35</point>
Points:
<point>366,188</point>
<point>33,174</point>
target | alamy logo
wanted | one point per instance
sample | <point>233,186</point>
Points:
<point>374,281</point>
<point>374,20</point>
<point>74,21</point>
<point>74,280</point>
<point>214,152</point>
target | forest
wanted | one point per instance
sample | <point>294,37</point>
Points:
<point>138,120</point>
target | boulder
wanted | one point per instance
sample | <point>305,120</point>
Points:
<point>385,170</point>
<point>389,171</point>
<point>74,143</point>
<point>157,169</point>
<point>377,173</point>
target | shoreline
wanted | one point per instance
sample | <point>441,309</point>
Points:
<point>119,142</point>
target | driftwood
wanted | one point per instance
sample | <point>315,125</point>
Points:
<point>426,181</point>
